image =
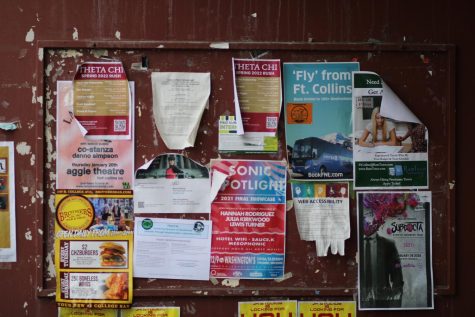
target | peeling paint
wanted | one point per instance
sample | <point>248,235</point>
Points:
<point>220,45</point>
<point>70,53</point>
<point>214,281</point>
<point>32,160</point>
<point>51,204</point>
<point>289,205</point>
<point>452,185</point>
<point>28,235</point>
<point>75,34</point>
<point>40,232</point>
<point>286,276</point>
<point>50,269</point>
<point>33,93</point>
<point>230,282</point>
<point>117,35</point>
<point>254,15</point>
<point>40,54</point>
<point>30,35</point>
<point>99,53</point>
<point>23,148</point>
<point>48,69</point>
<point>25,189</point>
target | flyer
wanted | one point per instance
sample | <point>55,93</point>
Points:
<point>172,248</point>
<point>257,100</point>
<point>322,212</point>
<point>249,142</point>
<point>248,217</point>
<point>326,309</point>
<point>86,312</point>
<point>151,312</point>
<point>172,183</point>
<point>395,250</point>
<point>96,210</point>
<point>318,122</point>
<point>179,100</point>
<point>390,142</point>
<point>84,163</point>
<point>268,309</point>
<point>94,269</point>
<point>7,203</point>
<point>102,101</point>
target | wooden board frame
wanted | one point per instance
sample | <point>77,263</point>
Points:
<point>446,201</point>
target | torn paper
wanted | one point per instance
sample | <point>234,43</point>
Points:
<point>102,101</point>
<point>179,100</point>
<point>257,95</point>
<point>390,142</point>
<point>9,126</point>
<point>172,183</point>
<point>323,214</point>
<point>89,164</point>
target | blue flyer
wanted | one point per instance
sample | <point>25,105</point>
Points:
<point>318,120</point>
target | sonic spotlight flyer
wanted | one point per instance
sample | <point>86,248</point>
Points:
<point>248,217</point>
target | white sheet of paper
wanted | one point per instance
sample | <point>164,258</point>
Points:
<point>322,218</point>
<point>392,107</point>
<point>179,100</point>
<point>237,107</point>
<point>156,191</point>
<point>172,248</point>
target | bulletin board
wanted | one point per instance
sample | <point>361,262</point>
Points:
<point>421,75</point>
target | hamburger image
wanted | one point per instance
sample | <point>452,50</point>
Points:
<point>112,254</point>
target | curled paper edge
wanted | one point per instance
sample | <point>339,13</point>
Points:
<point>217,181</point>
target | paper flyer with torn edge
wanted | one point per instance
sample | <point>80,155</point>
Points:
<point>89,164</point>
<point>248,215</point>
<point>94,269</point>
<point>390,142</point>
<point>326,309</point>
<point>172,248</point>
<point>318,120</point>
<point>286,308</point>
<point>8,252</point>
<point>102,102</point>
<point>395,250</point>
<point>322,212</point>
<point>172,183</point>
<point>151,312</point>
<point>179,100</point>
<point>257,100</point>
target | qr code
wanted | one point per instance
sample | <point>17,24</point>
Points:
<point>119,125</point>
<point>271,122</point>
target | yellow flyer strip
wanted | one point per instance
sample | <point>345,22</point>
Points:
<point>151,312</point>
<point>327,309</point>
<point>268,309</point>
<point>86,312</point>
